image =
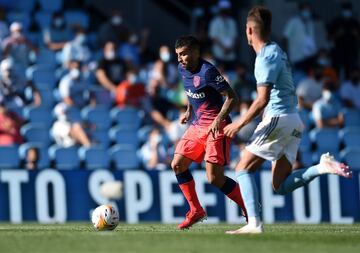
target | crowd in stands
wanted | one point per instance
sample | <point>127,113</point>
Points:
<point>72,96</point>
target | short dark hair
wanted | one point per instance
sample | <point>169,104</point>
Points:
<point>188,41</point>
<point>262,18</point>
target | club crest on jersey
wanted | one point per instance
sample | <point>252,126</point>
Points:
<point>219,79</point>
<point>196,81</point>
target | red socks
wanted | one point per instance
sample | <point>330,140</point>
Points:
<point>189,192</point>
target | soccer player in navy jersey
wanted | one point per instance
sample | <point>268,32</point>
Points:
<point>208,113</point>
<point>278,135</point>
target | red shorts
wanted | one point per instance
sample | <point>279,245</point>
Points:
<point>197,145</point>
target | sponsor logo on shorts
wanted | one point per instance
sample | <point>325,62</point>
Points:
<point>191,94</point>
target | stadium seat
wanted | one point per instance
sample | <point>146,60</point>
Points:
<point>48,58</point>
<point>102,96</point>
<point>100,137</point>
<point>127,116</point>
<point>351,117</point>
<point>306,158</point>
<point>77,17</point>
<point>124,135</point>
<point>51,5</point>
<point>36,133</point>
<point>124,157</point>
<point>64,158</point>
<point>38,115</point>
<point>98,116</point>
<point>326,139</point>
<point>22,17</point>
<point>351,156</point>
<point>305,143</point>
<point>9,157</point>
<point>306,119</point>
<point>47,98</point>
<point>44,160</point>
<point>25,6</point>
<point>350,136</point>
<point>95,157</point>
<point>43,19</point>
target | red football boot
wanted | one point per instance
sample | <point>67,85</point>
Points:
<point>192,217</point>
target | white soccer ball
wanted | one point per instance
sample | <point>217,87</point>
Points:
<point>105,217</point>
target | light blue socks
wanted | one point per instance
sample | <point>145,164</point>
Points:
<point>249,192</point>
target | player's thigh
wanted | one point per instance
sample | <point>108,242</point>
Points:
<point>180,163</point>
<point>281,169</point>
<point>249,161</point>
<point>215,174</point>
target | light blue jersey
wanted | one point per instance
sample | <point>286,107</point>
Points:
<point>273,68</point>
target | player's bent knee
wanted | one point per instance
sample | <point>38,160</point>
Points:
<point>279,189</point>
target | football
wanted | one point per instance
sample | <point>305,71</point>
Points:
<point>105,217</point>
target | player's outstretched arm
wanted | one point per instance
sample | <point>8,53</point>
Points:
<point>255,109</point>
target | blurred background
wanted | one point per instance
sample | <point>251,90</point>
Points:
<point>88,85</point>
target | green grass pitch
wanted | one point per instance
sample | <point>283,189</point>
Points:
<point>81,237</point>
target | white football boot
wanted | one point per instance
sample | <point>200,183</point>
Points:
<point>247,229</point>
<point>328,165</point>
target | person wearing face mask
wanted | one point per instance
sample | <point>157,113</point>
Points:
<point>18,46</point>
<point>344,33</point>
<point>77,48</point>
<point>111,68</point>
<point>326,111</point>
<point>350,90</point>
<point>114,30</point>
<point>56,36</point>
<point>309,89</point>
<point>299,38</point>
<point>223,33</point>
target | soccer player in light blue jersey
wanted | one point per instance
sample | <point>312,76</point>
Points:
<point>278,135</point>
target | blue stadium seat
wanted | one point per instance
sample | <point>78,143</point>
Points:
<point>36,133</point>
<point>38,115</point>
<point>46,57</point>
<point>306,119</point>
<point>51,5</point>
<point>326,139</point>
<point>98,116</point>
<point>22,17</point>
<point>44,160</point>
<point>47,98</point>
<point>103,97</point>
<point>100,137</point>
<point>9,157</point>
<point>25,6</point>
<point>305,143</point>
<point>95,157</point>
<point>306,158</point>
<point>351,117</point>
<point>127,116</point>
<point>65,158</point>
<point>124,135</point>
<point>77,17</point>
<point>351,157</point>
<point>43,19</point>
<point>350,136</point>
<point>124,157</point>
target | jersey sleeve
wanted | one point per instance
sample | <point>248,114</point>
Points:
<point>215,80</point>
<point>267,70</point>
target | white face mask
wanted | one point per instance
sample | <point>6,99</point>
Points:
<point>75,73</point>
<point>116,20</point>
<point>165,56</point>
<point>326,94</point>
<point>132,78</point>
<point>80,38</point>
<point>109,55</point>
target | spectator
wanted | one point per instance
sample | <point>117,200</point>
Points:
<point>350,90</point>
<point>67,132</point>
<point>242,85</point>
<point>344,32</point>
<point>309,89</point>
<point>163,74</point>
<point>17,46</point>
<point>10,125</point>
<point>114,30</point>
<point>77,48</point>
<point>111,69</point>
<point>327,110</point>
<point>57,35</point>
<point>4,30</point>
<point>129,51</point>
<point>13,86</point>
<point>299,38</point>
<point>32,158</point>
<point>153,152</point>
<point>130,92</point>
<point>223,33</point>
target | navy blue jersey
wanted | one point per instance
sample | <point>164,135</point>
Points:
<point>203,91</point>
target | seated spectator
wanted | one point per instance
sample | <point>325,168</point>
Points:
<point>310,88</point>
<point>4,30</point>
<point>67,132</point>
<point>77,48</point>
<point>10,125</point>
<point>13,87</point>
<point>131,91</point>
<point>57,35</point>
<point>129,51</point>
<point>111,69</point>
<point>327,110</point>
<point>153,153</point>
<point>32,158</point>
<point>350,90</point>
